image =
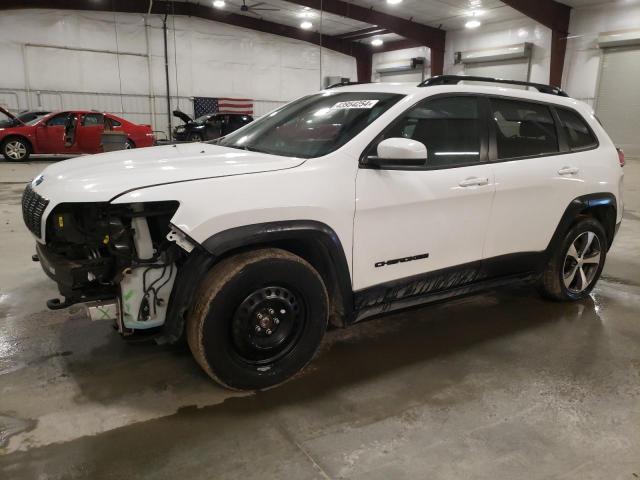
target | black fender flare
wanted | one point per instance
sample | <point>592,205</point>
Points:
<point>318,239</point>
<point>581,205</point>
<point>317,235</point>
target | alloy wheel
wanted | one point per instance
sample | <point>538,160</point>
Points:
<point>16,150</point>
<point>582,262</point>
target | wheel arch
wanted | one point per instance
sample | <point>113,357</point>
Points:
<point>12,136</point>
<point>313,241</point>
<point>601,206</point>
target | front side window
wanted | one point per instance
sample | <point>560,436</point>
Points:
<point>58,120</point>
<point>576,131</point>
<point>312,126</point>
<point>523,129</point>
<point>448,127</point>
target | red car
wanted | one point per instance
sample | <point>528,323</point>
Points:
<point>70,132</point>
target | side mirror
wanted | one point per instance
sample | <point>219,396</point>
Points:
<point>398,153</point>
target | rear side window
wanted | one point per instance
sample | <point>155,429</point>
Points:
<point>448,127</point>
<point>523,129</point>
<point>92,119</point>
<point>576,131</point>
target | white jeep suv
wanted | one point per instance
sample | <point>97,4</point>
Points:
<point>339,206</point>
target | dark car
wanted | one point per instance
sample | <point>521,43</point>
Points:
<point>25,116</point>
<point>209,126</point>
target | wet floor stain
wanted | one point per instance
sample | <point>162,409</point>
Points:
<point>10,426</point>
<point>433,362</point>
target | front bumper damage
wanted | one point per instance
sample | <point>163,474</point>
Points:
<point>116,259</point>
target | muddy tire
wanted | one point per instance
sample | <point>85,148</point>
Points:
<point>575,267</point>
<point>258,319</point>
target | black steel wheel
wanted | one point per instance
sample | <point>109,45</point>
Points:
<point>258,319</point>
<point>267,324</point>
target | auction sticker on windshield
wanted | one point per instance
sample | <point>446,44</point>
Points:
<point>354,104</point>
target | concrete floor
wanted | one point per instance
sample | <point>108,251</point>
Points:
<point>499,386</point>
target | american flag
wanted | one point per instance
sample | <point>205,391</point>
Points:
<point>205,105</point>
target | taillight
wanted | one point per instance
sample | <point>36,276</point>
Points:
<point>620,156</point>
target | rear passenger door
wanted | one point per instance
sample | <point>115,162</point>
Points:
<point>536,174</point>
<point>89,134</point>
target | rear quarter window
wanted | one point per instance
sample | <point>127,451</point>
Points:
<point>578,134</point>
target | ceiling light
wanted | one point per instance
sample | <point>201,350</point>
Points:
<point>376,42</point>
<point>218,3</point>
<point>306,25</point>
<point>393,2</point>
<point>473,24</point>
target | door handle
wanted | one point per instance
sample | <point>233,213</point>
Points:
<point>474,182</point>
<point>568,171</point>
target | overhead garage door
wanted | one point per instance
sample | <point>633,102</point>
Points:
<point>618,98</point>
<point>507,69</point>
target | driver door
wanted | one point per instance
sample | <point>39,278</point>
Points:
<point>413,220</point>
<point>215,127</point>
<point>50,134</point>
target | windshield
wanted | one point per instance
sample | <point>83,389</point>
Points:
<point>312,126</point>
<point>35,120</point>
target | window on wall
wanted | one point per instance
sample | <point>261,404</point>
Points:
<point>523,129</point>
<point>448,127</point>
<point>576,131</point>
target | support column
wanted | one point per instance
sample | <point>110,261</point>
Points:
<point>437,62</point>
<point>558,50</point>
<point>364,63</point>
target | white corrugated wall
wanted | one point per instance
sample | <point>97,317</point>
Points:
<point>66,59</point>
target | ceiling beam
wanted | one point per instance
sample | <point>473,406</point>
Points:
<point>194,10</point>
<point>429,36</point>
<point>397,45</point>
<point>551,14</point>
<point>362,34</point>
<point>555,16</point>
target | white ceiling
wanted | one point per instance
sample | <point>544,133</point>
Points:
<point>445,14</point>
<point>290,14</point>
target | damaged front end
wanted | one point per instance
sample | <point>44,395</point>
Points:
<point>115,258</point>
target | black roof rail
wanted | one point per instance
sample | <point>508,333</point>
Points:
<point>455,79</point>
<point>344,84</point>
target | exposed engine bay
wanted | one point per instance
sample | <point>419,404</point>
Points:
<point>115,258</point>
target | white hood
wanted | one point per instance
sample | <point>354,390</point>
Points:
<point>99,178</point>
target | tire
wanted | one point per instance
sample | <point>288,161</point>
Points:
<point>129,145</point>
<point>575,267</point>
<point>16,149</point>
<point>195,137</point>
<point>258,319</point>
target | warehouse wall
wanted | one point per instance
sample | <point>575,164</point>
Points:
<point>499,35</point>
<point>213,59</point>
<point>396,55</point>
<point>582,62</point>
